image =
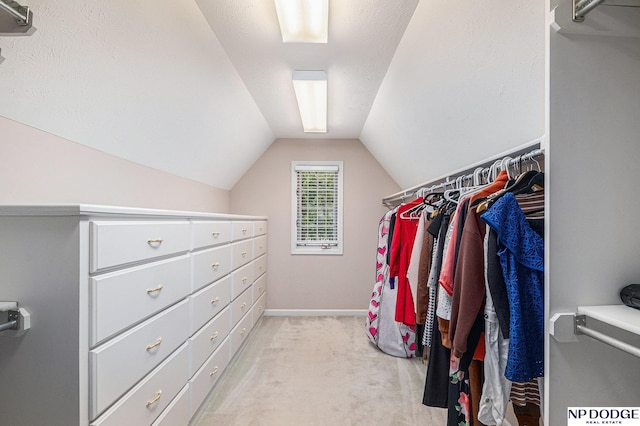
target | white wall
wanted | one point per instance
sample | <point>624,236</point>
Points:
<point>146,81</point>
<point>39,168</point>
<point>317,281</point>
<point>466,83</point>
<point>593,238</point>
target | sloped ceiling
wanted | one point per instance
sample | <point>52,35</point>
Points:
<point>147,81</point>
<point>201,88</point>
<point>363,36</point>
<point>466,83</point>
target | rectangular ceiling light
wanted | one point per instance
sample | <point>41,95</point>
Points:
<point>311,93</point>
<point>303,21</point>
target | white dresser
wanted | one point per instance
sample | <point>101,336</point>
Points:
<point>135,313</point>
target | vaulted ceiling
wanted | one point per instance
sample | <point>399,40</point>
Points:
<point>201,88</point>
<point>363,36</point>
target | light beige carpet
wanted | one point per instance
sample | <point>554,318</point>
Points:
<point>303,371</point>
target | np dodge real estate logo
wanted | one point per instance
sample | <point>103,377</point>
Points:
<point>625,416</point>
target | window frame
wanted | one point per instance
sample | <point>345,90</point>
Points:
<point>319,165</point>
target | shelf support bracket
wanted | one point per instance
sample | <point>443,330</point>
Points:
<point>582,7</point>
<point>17,19</point>
<point>18,320</point>
<point>580,327</point>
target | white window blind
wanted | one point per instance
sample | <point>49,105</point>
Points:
<point>318,208</point>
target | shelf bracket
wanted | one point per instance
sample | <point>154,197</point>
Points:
<point>17,19</point>
<point>582,7</point>
<point>18,320</point>
<point>580,328</point>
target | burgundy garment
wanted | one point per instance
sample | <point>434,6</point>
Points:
<point>469,285</point>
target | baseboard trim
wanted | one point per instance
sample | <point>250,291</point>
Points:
<point>314,312</point>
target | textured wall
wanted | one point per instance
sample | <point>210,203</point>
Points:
<point>317,281</point>
<point>39,168</point>
<point>592,240</point>
<point>466,83</point>
<point>146,81</point>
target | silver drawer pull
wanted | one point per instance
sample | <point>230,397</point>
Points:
<point>215,336</point>
<point>215,265</point>
<point>244,305</point>
<point>155,399</point>
<point>157,241</point>
<point>244,253</point>
<point>244,279</point>
<point>244,230</point>
<point>215,370</point>
<point>215,299</point>
<point>153,345</point>
<point>155,290</point>
<point>243,332</point>
<point>215,234</point>
<point>260,267</point>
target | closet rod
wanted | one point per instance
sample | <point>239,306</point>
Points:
<point>581,328</point>
<point>582,7</point>
<point>14,9</point>
<point>525,152</point>
<point>8,325</point>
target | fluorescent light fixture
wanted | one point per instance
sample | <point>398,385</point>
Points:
<point>311,93</point>
<point>303,21</point>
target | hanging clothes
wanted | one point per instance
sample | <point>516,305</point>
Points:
<point>401,246</point>
<point>418,275</point>
<point>475,277</point>
<point>437,230</point>
<point>380,325</point>
<point>522,260</point>
<point>448,269</point>
<point>496,388</point>
<point>436,385</point>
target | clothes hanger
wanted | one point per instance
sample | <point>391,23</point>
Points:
<point>504,165</point>
<point>477,176</point>
<point>453,195</point>
<point>415,212</point>
<point>529,181</point>
<point>535,181</point>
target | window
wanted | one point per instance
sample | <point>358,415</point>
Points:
<point>316,207</point>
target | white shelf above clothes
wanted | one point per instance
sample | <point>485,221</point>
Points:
<point>564,327</point>
<point>620,316</point>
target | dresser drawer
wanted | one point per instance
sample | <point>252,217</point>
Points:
<point>209,233</point>
<point>240,333</point>
<point>177,413</point>
<point>206,303</point>
<point>259,227</point>
<point>116,243</point>
<point>241,279</point>
<point>258,309</point>
<point>142,404</point>
<point>259,266</point>
<point>241,253</point>
<point>240,307</point>
<point>259,246</point>
<point>241,230</point>
<point>121,362</point>
<point>205,341</point>
<point>123,298</point>
<point>207,376</point>
<point>258,288</point>
<point>210,265</point>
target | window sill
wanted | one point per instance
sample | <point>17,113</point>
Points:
<point>317,251</point>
